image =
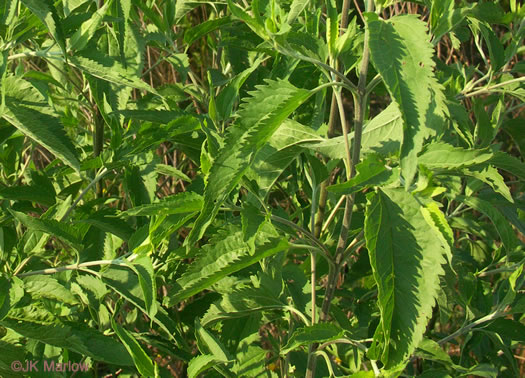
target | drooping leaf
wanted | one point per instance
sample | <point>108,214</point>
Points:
<point>142,361</point>
<point>181,203</point>
<point>317,333</point>
<point>382,134</point>
<point>504,229</point>
<point>143,267</point>
<point>204,28</point>
<point>27,110</point>
<point>80,39</point>
<point>446,156</point>
<point>402,54</point>
<point>46,12</point>
<point>509,163</point>
<point>107,68</point>
<point>47,287</point>
<point>258,119</point>
<point>406,258</point>
<point>224,257</point>
<point>296,9</point>
<point>77,337</point>
<point>490,176</point>
<point>28,193</point>
<point>370,172</point>
<point>52,227</point>
<point>201,363</point>
<point>242,302</point>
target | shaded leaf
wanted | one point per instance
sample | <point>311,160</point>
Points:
<point>406,258</point>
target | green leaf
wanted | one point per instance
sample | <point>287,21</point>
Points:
<point>242,302</point>
<point>110,224</point>
<point>406,258</point>
<point>252,22</point>
<point>143,267</point>
<point>445,156</point>
<point>28,193</point>
<point>490,176</point>
<point>46,12</point>
<point>77,337</point>
<point>509,163</point>
<point>282,148</point>
<point>140,358</point>
<point>225,256</point>
<point>370,172</point>
<point>402,55</point>
<point>181,203</point>
<point>200,364</point>
<point>438,222</point>
<point>296,9</point>
<point>52,227</point>
<point>258,119</point>
<point>107,68</point>
<point>28,111</point>
<point>383,135</point>
<point>82,36</point>
<point>48,287</point>
<point>504,229</point>
<point>204,28</point>
<point>168,170</point>
<point>209,344</point>
<point>317,333</point>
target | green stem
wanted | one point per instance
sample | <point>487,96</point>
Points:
<point>489,88</point>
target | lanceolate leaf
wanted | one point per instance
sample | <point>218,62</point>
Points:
<point>446,156</point>
<point>258,119</point>
<point>402,54</point>
<point>316,333</point>
<point>406,257</point>
<point>77,337</point>
<point>80,39</point>
<point>46,12</point>
<point>140,358</point>
<point>186,202</point>
<point>226,256</point>
<point>504,229</point>
<point>26,109</point>
<point>382,134</point>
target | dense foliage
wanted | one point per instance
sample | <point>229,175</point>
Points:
<point>262,188</point>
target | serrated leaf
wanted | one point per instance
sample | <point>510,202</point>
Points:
<point>406,258</point>
<point>317,333</point>
<point>402,54</point>
<point>52,227</point>
<point>77,337</point>
<point>208,343</point>
<point>258,120</point>
<point>438,222</point>
<point>508,163</point>
<point>48,287</point>
<point>82,36</point>
<point>370,172</point>
<point>181,203</point>
<point>296,9</point>
<point>200,364</point>
<point>109,69</point>
<point>224,257</point>
<point>110,224</point>
<point>143,267</point>
<point>490,176</point>
<point>168,170</point>
<point>196,32</point>
<point>242,302</point>
<point>504,229</point>
<point>27,110</point>
<point>28,193</point>
<point>383,135</point>
<point>446,156</point>
<point>140,358</point>
<point>46,12</point>
<point>282,148</point>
